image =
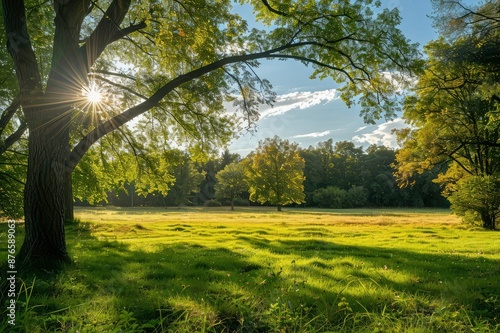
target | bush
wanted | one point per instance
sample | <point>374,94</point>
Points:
<point>477,200</point>
<point>330,197</point>
<point>212,203</point>
<point>241,202</point>
<point>356,197</point>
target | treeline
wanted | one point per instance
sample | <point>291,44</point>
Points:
<point>337,175</point>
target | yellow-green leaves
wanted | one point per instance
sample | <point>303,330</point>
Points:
<point>230,182</point>
<point>454,126</point>
<point>275,173</point>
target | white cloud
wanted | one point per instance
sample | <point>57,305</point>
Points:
<point>299,100</point>
<point>360,129</point>
<point>383,134</point>
<point>312,135</point>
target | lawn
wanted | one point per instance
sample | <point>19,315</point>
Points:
<point>257,270</point>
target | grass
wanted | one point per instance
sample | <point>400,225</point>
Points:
<point>257,270</point>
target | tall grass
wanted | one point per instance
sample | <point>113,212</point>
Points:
<point>256,270</point>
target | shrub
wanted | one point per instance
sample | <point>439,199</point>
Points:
<point>477,200</point>
<point>356,197</point>
<point>241,202</point>
<point>330,197</point>
<point>212,203</point>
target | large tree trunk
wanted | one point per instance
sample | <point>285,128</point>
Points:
<point>69,215</point>
<point>489,220</point>
<point>48,198</point>
<point>44,196</point>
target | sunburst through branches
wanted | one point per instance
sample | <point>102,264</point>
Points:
<point>93,104</point>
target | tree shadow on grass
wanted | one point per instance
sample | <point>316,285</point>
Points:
<point>184,284</point>
<point>460,280</point>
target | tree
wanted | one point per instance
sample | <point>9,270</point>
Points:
<point>211,167</point>
<point>454,124</point>
<point>187,177</point>
<point>474,32</point>
<point>330,197</point>
<point>319,168</point>
<point>346,164</point>
<point>230,182</point>
<point>186,59</point>
<point>477,199</point>
<point>456,18</point>
<point>356,197</point>
<point>275,173</point>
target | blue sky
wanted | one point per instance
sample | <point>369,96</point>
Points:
<point>308,111</point>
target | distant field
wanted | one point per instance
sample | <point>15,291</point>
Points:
<point>257,270</point>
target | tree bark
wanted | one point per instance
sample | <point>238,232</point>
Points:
<point>44,196</point>
<point>489,221</point>
<point>69,215</point>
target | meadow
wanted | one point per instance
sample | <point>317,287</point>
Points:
<point>257,270</point>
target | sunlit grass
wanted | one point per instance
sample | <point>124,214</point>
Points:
<point>257,270</point>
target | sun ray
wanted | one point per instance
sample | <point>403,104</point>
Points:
<point>93,93</point>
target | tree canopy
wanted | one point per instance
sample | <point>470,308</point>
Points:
<point>275,173</point>
<point>454,112</point>
<point>231,182</point>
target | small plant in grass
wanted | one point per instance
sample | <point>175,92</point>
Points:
<point>25,312</point>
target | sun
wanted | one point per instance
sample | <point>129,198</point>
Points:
<point>93,94</point>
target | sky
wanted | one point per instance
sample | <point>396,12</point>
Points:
<point>310,111</point>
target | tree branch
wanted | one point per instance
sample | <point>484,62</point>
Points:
<point>312,61</point>
<point>275,11</point>
<point>8,113</point>
<point>110,82</point>
<point>107,31</point>
<point>20,48</point>
<point>6,175</point>
<point>13,138</point>
<point>119,120</point>
<point>81,148</point>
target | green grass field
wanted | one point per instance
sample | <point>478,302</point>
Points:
<point>257,270</point>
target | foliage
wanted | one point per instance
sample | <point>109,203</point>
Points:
<point>473,30</point>
<point>212,203</point>
<point>211,167</point>
<point>334,197</point>
<point>187,177</point>
<point>454,124</point>
<point>12,177</point>
<point>330,197</point>
<point>319,165</point>
<point>231,182</point>
<point>275,173</point>
<point>356,197</point>
<point>477,199</point>
<point>456,18</point>
<point>373,183</point>
<point>363,173</point>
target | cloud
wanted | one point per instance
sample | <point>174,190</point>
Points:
<point>383,134</point>
<point>360,129</point>
<point>312,135</point>
<point>299,100</point>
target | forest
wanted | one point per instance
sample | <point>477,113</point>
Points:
<point>337,175</point>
